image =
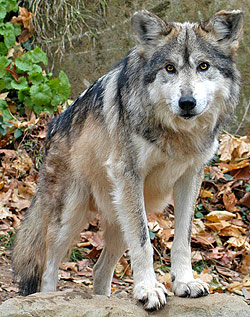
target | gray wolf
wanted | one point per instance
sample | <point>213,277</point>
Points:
<point>137,137</point>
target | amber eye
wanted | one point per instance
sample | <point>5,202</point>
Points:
<point>170,68</point>
<point>203,67</point>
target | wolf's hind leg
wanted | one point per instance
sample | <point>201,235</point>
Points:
<point>113,250</point>
<point>73,220</point>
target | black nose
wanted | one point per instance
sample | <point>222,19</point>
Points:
<point>187,103</point>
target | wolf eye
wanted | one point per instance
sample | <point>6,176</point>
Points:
<point>203,67</point>
<point>170,68</point>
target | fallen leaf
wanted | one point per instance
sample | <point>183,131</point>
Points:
<point>93,238</point>
<point>245,266</point>
<point>245,200</point>
<point>3,95</point>
<point>239,242</point>
<point>25,19</point>
<point>227,146</point>
<point>69,266</point>
<point>204,238</point>
<point>12,70</point>
<point>218,215</point>
<point>216,253</point>
<point>4,211</point>
<point>216,173</point>
<point>206,194</point>
<point>218,226</point>
<point>230,200</point>
<point>232,231</point>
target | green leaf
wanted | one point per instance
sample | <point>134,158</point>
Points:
<point>3,13</point>
<point>21,85</point>
<point>17,29</point>
<point>2,85</point>
<point>151,235</point>
<point>8,32</point>
<point>24,97</point>
<point>247,186</point>
<point>228,177</point>
<point>38,109</point>
<point>7,79</point>
<point>18,133</point>
<point>40,95</point>
<point>38,56</point>
<point>60,89</point>
<point>36,78</point>
<point>24,63</point>
<point>3,104</point>
<point>27,45</point>
<point>65,83</point>
<point>3,49</point>
<point>3,129</point>
<point>35,69</point>
<point>4,62</point>
<point>4,109</point>
<point>22,93</point>
<point>198,214</point>
<point>50,108</point>
<point>9,5</point>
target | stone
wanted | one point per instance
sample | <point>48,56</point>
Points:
<point>77,304</point>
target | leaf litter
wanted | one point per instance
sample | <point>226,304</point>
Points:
<point>220,231</point>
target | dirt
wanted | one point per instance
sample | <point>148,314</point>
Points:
<point>67,280</point>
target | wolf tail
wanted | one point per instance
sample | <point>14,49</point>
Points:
<point>29,254</point>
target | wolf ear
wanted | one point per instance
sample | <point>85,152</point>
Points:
<point>226,27</point>
<point>148,28</point>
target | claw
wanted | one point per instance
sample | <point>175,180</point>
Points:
<point>153,296</point>
<point>195,288</point>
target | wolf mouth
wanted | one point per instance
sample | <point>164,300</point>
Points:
<point>188,116</point>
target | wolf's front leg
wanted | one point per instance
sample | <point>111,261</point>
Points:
<point>129,204</point>
<point>185,194</point>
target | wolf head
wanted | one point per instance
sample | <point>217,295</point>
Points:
<point>189,67</point>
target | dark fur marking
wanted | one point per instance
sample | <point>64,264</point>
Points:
<point>144,235</point>
<point>190,230</point>
<point>122,83</point>
<point>222,62</point>
<point>173,277</point>
<point>144,30</point>
<point>186,51</point>
<point>157,62</point>
<point>30,284</point>
<point>150,135</point>
<point>92,101</point>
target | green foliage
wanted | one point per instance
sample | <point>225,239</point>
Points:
<point>199,266</point>
<point>7,240</point>
<point>77,254</point>
<point>23,76</point>
<point>198,211</point>
<point>247,186</point>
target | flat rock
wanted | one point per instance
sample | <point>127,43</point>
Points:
<point>76,304</point>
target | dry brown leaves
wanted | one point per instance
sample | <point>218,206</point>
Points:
<point>25,20</point>
<point>17,187</point>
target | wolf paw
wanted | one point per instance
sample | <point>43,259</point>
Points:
<point>195,288</point>
<point>153,297</point>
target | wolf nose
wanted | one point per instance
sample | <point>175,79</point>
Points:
<point>187,103</point>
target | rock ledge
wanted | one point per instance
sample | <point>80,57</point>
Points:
<point>76,304</point>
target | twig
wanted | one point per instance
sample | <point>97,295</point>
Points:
<point>243,118</point>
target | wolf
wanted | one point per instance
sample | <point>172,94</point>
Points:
<point>135,139</point>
